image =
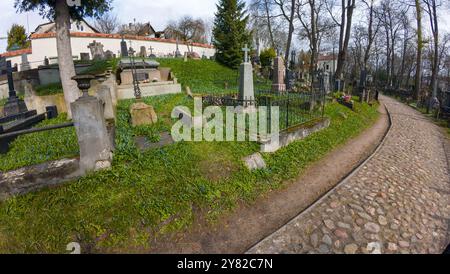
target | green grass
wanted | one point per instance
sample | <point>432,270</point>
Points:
<point>49,89</point>
<point>207,76</point>
<point>160,191</point>
<point>41,147</point>
<point>3,102</point>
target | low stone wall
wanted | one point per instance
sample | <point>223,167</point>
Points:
<point>40,102</point>
<point>150,89</point>
<point>294,134</point>
<point>36,177</point>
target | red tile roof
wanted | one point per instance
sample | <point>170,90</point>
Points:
<point>16,52</point>
<point>115,36</point>
<point>328,57</point>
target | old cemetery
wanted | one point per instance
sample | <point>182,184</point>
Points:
<point>112,177</point>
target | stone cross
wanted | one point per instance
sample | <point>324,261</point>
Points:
<point>246,51</point>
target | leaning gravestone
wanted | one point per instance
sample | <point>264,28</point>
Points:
<point>96,50</point>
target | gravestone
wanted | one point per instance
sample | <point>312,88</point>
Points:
<point>90,125</point>
<point>109,55</point>
<point>278,83</point>
<point>96,50</point>
<point>177,51</point>
<point>151,52</point>
<point>14,105</point>
<point>2,65</point>
<point>143,52</point>
<point>246,88</point>
<point>25,65</point>
<point>84,56</point>
<point>290,79</point>
<point>362,86</point>
<point>46,61</point>
<point>123,48</point>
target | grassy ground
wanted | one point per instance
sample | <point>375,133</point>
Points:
<point>207,77</point>
<point>41,147</point>
<point>146,195</point>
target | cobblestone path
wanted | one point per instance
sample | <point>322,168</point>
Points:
<point>398,202</point>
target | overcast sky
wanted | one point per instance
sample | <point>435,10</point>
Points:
<point>157,12</point>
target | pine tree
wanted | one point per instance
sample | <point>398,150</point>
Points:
<point>230,32</point>
<point>17,36</point>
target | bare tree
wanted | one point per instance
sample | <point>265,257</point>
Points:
<point>418,77</point>
<point>288,11</point>
<point>345,26</point>
<point>108,23</point>
<point>187,29</point>
<point>431,9</point>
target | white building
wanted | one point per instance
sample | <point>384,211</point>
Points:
<point>43,44</point>
<point>327,63</point>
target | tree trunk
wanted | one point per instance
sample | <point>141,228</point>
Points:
<point>64,49</point>
<point>314,46</point>
<point>291,32</point>
<point>343,52</point>
<point>269,23</point>
<point>419,50</point>
<point>370,37</point>
<point>435,69</point>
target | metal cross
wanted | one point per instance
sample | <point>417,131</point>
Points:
<point>246,51</point>
<point>137,88</point>
<point>151,50</point>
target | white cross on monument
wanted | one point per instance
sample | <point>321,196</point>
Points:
<point>246,51</point>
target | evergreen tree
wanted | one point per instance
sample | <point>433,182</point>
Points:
<point>17,36</point>
<point>230,32</point>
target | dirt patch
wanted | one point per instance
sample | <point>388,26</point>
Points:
<point>249,224</point>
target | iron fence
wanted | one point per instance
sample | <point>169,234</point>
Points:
<point>293,108</point>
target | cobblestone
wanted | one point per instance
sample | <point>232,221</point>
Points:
<point>398,202</point>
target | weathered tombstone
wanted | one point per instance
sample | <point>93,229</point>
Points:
<point>151,52</point>
<point>362,86</point>
<point>14,105</point>
<point>84,56</point>
<point>46,61</point>
<point>25,65</point>
<point>109,55</point>
<point>123,48</point>
<point>143,52</point>
<point>104,95</point>
<point>96,50</point>
<point>290,79</point>
<point>3,65</point>
<point>246,88</point>
<point>278,83</point>
<point>93,139</point>
<point>177,52</point>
